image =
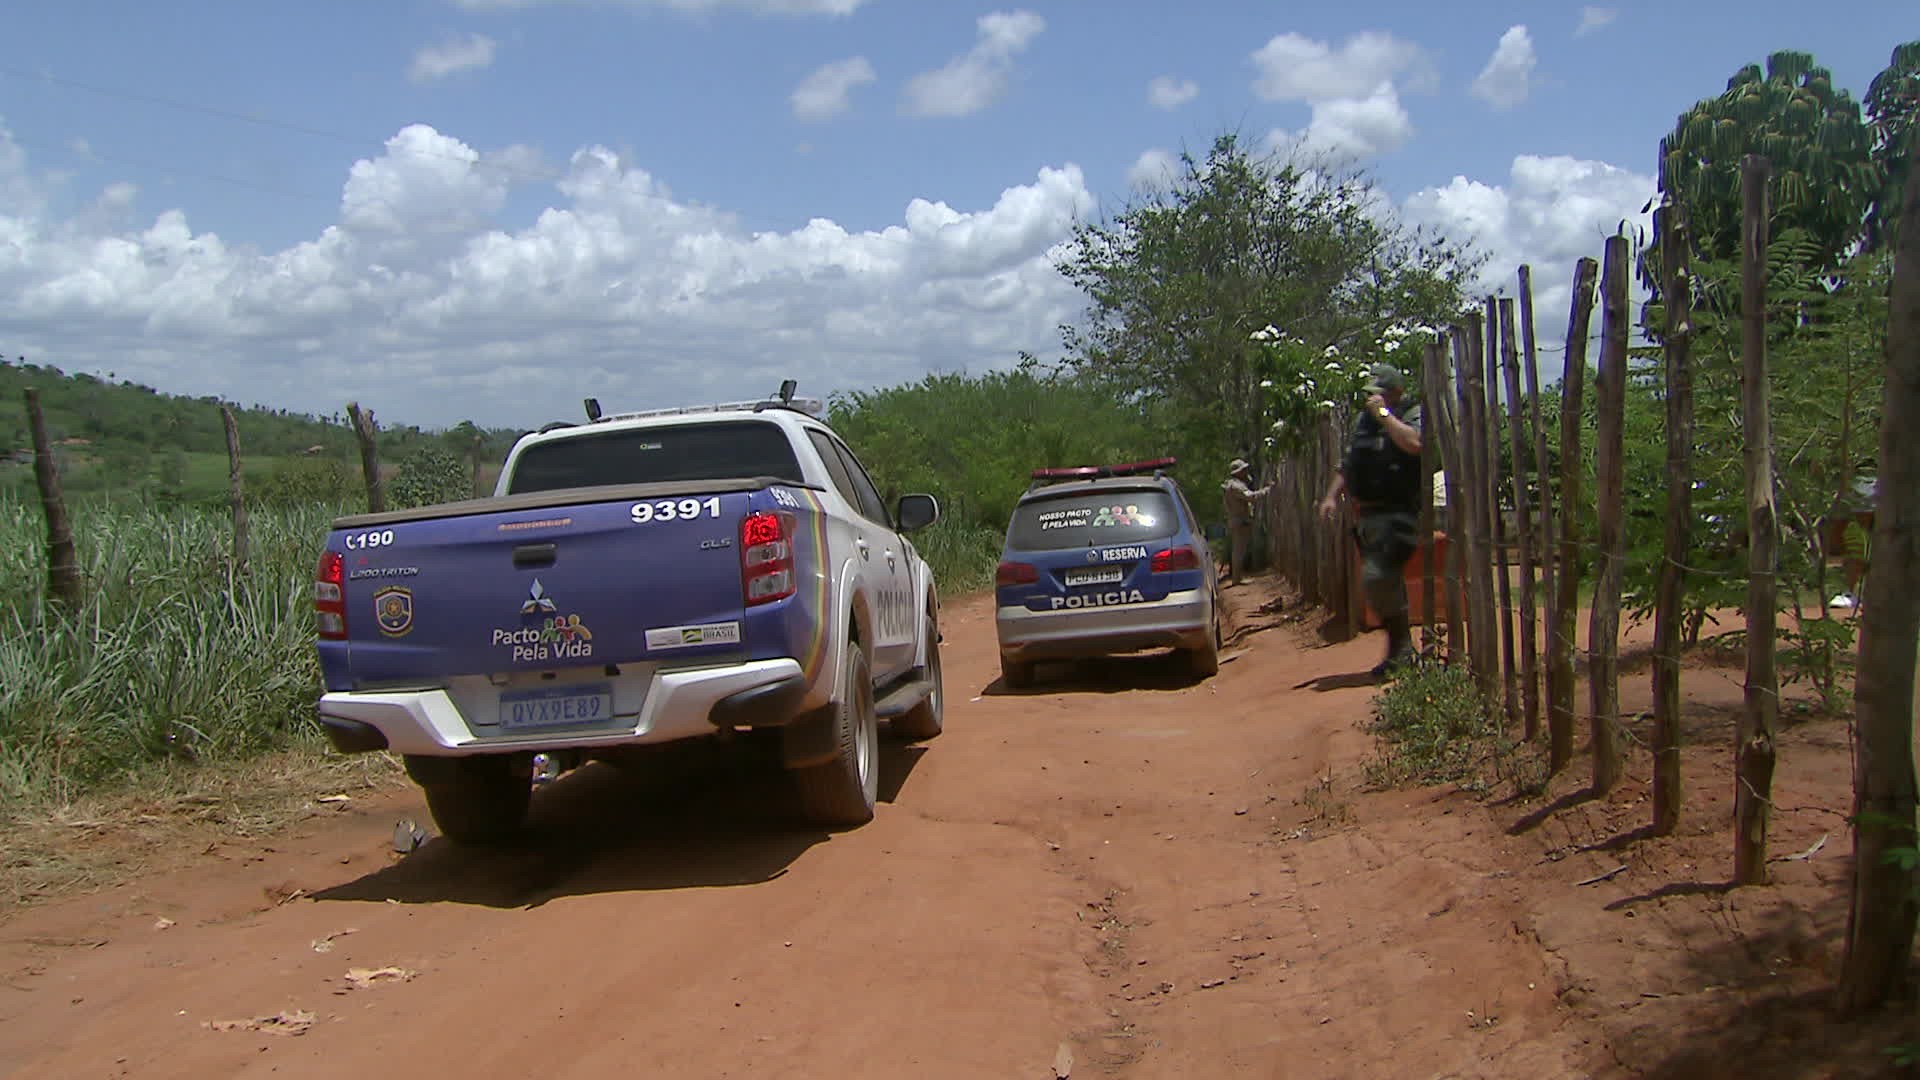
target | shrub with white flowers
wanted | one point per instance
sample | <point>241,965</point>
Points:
<point>1302,383</point>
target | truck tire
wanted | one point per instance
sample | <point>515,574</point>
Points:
<point>841,793</point>
<point>476,801</point>
<point>927,719</point>
<point>1204,661</point>
<point>1015,674</point>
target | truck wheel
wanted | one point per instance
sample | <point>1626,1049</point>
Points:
<point>1017,675</point>
<point>1204,661</point>
<point>478,801</point>
<point>843,791</point>
<point>928,718</point>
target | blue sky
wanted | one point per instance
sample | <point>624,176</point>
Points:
<point>491,208</point>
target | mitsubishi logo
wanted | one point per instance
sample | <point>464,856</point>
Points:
<point>537,600</point>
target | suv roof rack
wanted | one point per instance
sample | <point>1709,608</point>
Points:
<point>1156,466</point>
<point>808,406</point>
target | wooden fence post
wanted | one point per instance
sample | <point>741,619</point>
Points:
<point>1676,288</point>
<point>1483,647</point>
<point>1440,394</point>
<point>235,497</point>
<point>1429,465</point>
<point>1542,462</point>
<point>1566,573</point>
<point>1503,572</point>
<point>1603,625</point>
<point>475,451</point>
<point>1353,594</point>
<point>1529,633</point>
<point>365,432</point>
<point>1880,925</point>
<point>63,561</point>
<point>1755,753</point>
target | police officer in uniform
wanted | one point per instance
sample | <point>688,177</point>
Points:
<point>1381,474</point>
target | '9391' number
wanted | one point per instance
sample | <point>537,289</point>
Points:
<point>675,509</point>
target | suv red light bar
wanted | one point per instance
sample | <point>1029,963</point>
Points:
<point>1088,472</point>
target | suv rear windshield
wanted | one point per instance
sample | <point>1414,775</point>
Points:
<point>1092,519</point>
<point>657,455</point>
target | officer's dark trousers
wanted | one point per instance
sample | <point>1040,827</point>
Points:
<point>1387,540</point>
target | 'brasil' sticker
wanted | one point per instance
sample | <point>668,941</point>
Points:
<point>687,637</point>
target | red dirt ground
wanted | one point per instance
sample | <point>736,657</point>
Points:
<point>1120,873</point>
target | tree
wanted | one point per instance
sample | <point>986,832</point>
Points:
<point>1893,116</point>
<point>427,476</point>
<point>1179,281</point>
<point>1880,925</point>
<point>1821,153</point>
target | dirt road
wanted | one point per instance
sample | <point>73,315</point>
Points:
<point>1144,875</point>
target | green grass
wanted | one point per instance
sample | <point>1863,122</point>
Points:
<point>1435,727</point>
<point>961,556</point>
<point>168,660</point>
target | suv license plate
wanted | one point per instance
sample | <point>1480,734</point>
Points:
<point>1100,575</point>
<point>557,706</point>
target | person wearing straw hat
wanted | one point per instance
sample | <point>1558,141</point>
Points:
<point>1241,499</point>
<point>1381,474</point>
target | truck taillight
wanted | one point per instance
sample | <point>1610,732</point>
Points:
<point>766,557</point>
<point>1015,573</point>
<point>330,597</point>
<point>1180,558</point>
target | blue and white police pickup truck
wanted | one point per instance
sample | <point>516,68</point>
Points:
<point>637,579</point>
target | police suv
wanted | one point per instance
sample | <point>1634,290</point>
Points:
<point>1100,560</point>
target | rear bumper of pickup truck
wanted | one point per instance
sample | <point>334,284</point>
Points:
<point>678,705</point>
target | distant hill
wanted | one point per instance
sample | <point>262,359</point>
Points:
<point>112,434</point>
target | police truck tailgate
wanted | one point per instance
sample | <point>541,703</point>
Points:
<point>524,584</point>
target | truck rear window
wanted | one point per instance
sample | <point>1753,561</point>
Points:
<point>1092,519</point>
<point>657,455</point>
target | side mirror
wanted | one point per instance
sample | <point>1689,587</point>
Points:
<point>916,512</point>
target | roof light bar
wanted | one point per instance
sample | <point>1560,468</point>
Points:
<point>1090,472</point>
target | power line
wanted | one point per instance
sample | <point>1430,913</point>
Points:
<point>200,174</point>
<point>377,147</point>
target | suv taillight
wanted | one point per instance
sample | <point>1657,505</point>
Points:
<point>1015,573</point>
<point>330,597</point>
<point>766,557</point>
<point>1180,558</point>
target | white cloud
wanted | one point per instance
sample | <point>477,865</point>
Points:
<point>1349,130</point>
<point>975,79</point>
<point>757,7</point>
<point>1508,77</point>
<point>1153,170</point>
<point>828,91</point>
<point>1167,92</point>
<point>1593,18</point>
<point>425,182</point>
<point>449,55</point>
<point>423,304</point>
<point>1551,211</point>
<point>1296,68</point>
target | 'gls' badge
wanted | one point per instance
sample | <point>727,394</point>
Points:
<point>393,610</point>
